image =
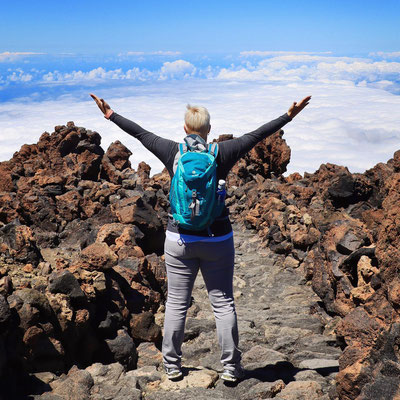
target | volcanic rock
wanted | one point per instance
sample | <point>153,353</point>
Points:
<point>123,349</point>
<point>144,328</point>
<point>66,283</point>
<point>81,272</point>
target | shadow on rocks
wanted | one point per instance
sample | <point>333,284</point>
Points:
<point>187,370</point>
<point>324,371</point>
<point>282,370</point>
<point>27,388</point>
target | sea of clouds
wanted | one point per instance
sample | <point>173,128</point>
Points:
<point>353,117</point>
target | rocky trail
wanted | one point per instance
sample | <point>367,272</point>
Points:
<point>287,351</point>
<point>83,283</point>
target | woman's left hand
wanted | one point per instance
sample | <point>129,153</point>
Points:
<point>103,105</point>
<point>297,107</point>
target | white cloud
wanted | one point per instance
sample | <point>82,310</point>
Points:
<point>314,68</point>
<point>383,54</point>
<point>133,53</point>
<point>166,53</point>
<point>151,53</point>
<point>356,70</point>
<point>344,124</point>
<point>97,74</point>
<point>177,69</point>
<point>308,58</point>
<point>8,56</point>
<point>19,76</point>
<point>258,53</point>
<point>170,70</point>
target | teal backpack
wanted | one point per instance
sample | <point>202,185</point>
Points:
<point>193,194</point>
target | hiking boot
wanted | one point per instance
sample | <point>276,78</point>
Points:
<point>233,376</point>
<point>174,373</point>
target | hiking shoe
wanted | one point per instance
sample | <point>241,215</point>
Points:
<point>173,373</point>
<point>233,376</point>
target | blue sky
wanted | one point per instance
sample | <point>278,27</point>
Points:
<point>245,61</point>
<point>203,26</point>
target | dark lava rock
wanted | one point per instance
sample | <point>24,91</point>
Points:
<point>123,349</point>
<point>5,313</point>
<point>144,328</point>
<point>66,283</point>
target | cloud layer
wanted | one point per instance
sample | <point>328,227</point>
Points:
<point>352,120</point>
<point>378,70</point>
<point>344,124</point>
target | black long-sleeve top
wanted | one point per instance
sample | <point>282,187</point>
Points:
<point>229,152</point>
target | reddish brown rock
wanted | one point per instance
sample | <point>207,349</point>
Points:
<point>359,329</point>
<point>394,292</point>
<point>304,238</point>
<point>68,205</point>
<point>32,335</point>
<point>144,328</point>
<point>109,171</point>
<point>111,233</point>
<point>128,209</point>
<point>6,184</point>
<point>90,208</point>
<point>362,294</point>
<point>19,243</point>
<point>44,177</point>
<point>69,143</point>
<point>9,208</point>
<point>372,219</point>
<point>118,154</point>
<point>270,156</point>
<point>98,256</point>
<point>143,172</point>
<point>351,380</point>
<point>294,177</point>
<point>156,273</point>
<point>148,355</point>
<point>121,239</point>
<point>161,180</point>
<point>136,210</point>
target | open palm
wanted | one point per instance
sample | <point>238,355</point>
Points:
<point>295,108</point>
<point>103,105</point>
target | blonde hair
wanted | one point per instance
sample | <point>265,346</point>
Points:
<point>197,119</point>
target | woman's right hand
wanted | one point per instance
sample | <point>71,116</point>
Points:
<point>103,105</point>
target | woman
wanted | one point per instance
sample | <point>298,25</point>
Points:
<point>210,250</point>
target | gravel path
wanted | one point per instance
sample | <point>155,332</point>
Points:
<point>285,351</point>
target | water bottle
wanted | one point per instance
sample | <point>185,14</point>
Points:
<point>221,191</point>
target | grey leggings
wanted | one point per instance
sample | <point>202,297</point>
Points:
<point>216,261</point>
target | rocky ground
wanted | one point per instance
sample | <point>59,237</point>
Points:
<point>288,352</point>
<point>83,282</point>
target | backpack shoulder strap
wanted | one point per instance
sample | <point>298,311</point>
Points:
<point>183,148</point>
<point>213,149</point>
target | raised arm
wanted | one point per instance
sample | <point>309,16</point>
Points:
<point>233,150</point>
<point>164,149</point>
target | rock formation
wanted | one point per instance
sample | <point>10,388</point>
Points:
<point>83,283</point>
<point>341,230</point>
<point>81,269</point>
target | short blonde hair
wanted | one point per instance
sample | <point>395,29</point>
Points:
<point>197,119</point>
